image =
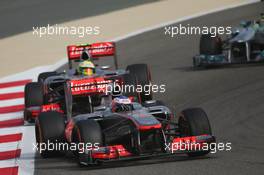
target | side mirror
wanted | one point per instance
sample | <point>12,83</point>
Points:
<point>100,108</point>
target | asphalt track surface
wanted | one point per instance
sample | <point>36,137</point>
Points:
<point>17,16</point>
<point>231,95</point>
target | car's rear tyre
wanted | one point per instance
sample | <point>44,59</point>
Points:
<point>210,45</point>
<point>33,94</point>
<point>49,128</point>
<point>194,122</point>
<point>143,75</point>
<point>130,85</point>
<point>43,76</point>
<point>89,133</point>
<point>33,98</point>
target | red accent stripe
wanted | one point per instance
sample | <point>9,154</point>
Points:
<point>10,109</point>
<point>9,96</point>
<point>11,123</point>
<point>10,138</point>
<point>14,83</point>
<point>157,126</point>
<point>9,171</point>
<point>10,154</point>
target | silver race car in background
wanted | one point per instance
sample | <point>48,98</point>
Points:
<point>244,45</point>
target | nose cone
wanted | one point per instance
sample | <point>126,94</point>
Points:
<point>145,119</point>
<point>244,35</point>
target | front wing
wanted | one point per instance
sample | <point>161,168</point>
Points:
<point>116,153</point>
<point>217,60</point>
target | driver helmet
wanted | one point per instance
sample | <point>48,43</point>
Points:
<point>86,68</point>
<point>121,104</point>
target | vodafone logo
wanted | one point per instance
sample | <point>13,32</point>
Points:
<point>89,86</point>
<point>96,50</point>
<point>76,51</point>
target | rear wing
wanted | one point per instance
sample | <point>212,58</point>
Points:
<point>96,50</point>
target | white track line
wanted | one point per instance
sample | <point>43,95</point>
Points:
<point>8,163</point>
<point>12,89</point>
<point>27,158</point>
<point>10,146</point>
<point>28,74</point>
<point>11,116</point>
<point>12,130</point>
<point>13,102</point>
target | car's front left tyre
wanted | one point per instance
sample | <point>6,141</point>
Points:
<point>49,130</point>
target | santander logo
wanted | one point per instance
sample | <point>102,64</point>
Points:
<point>95,49</point>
